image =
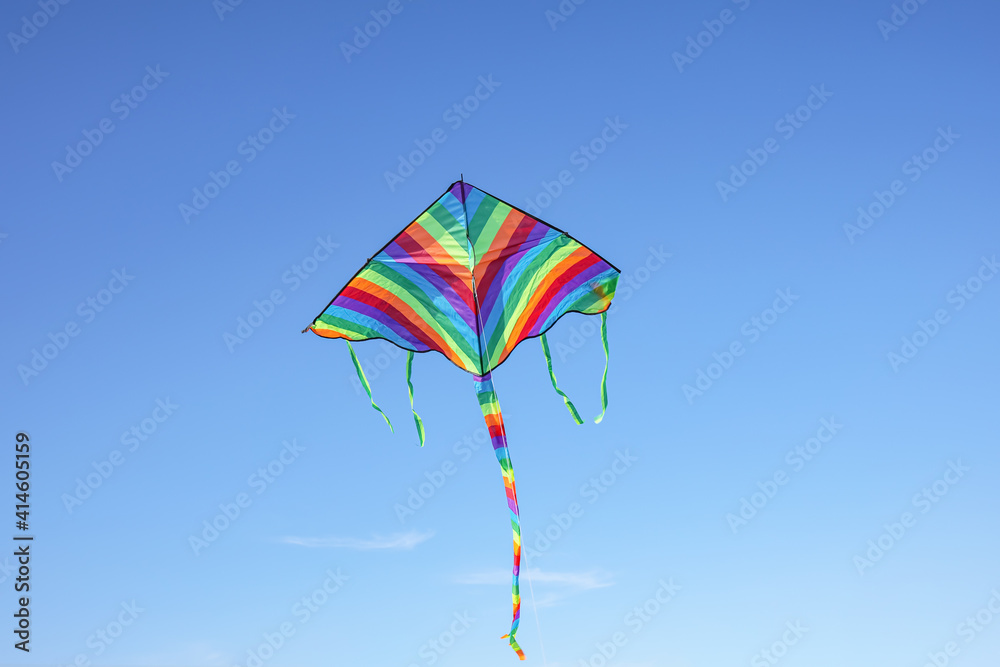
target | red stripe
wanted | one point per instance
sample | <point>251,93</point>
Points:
<point>400,318</point>
<point>538,304</point>
<point>454,275</point>
<point>493,268</point>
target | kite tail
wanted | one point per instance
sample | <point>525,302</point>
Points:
<point>498,436</point>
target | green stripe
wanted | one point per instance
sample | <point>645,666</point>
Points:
<point>353,329</point>
<point>443,229</point>
<point>426,309</point>
<point>439,214</point>
<point>523,290</point>
<point>485,223</point>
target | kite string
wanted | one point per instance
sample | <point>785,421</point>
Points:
<point>538,625</point>
<point>527,571</point>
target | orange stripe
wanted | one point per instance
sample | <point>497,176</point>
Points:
<point>500,241</point>
<point>431,245</point>
<point>442,261</point>
<point>493,420</point>
<point>329,333</point>
<point>536,297</point>
<point>414,319</point>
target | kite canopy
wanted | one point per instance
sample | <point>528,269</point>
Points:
<point>418,292</point>
<point>471,278</point>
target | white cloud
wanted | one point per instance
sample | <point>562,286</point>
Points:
<point>583,581</point>
<point>193,653</point>
<point>395,541</point>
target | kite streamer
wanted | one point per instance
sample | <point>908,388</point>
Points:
<point>552,376</point>
<point>604,380</point>
<point>409,384</point>
<point>490,406</point>
<point>364,383</point>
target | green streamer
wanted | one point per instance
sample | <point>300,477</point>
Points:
<point>604,380</point>
<point>364,383</point>
<point>552,376</point>
<point>409,383</point>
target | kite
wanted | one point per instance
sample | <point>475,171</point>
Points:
<point>471,278</point>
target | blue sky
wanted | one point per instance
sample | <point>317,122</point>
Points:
<point>798,463</point>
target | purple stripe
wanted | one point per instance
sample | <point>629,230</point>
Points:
<point>581,278</point>
<point>538,232</point>
<point>401,330</point>
<point>427,272</point>
<point>489,300</point>
<point>460,191</point>
<point>535,236</point>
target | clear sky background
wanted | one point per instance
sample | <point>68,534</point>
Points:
<point>316,200</point>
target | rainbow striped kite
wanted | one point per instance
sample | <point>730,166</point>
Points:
<point>471,278</point>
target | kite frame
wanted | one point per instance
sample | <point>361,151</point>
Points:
<point>466,214</point>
